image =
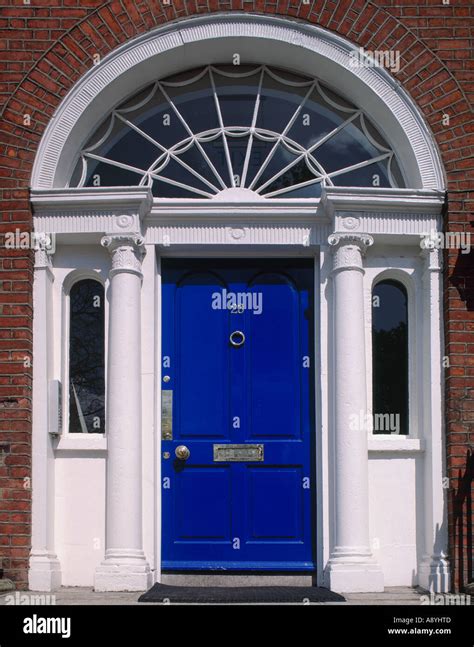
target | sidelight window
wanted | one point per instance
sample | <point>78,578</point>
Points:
<point>86,357</point>
<point>390,358</point>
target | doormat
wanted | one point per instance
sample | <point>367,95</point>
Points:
<point>239,594</point>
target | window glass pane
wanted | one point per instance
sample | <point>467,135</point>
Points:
<point>162,189</point>
<point>238,152</point>
<point>280,158</point>
<point>260,151</point>
<point>194,100</point>
<point>100,133</point>
<point>195,158</point>
<point>126,145</point>
<point>397,177</point>
<point>86,358</point>
<point>310,191</point>
<point>370,175</point>
<point>297,174</point>
<point>258,154</point>
<point>77,173</point>
<point>215,152</point>
<point>278,104</point>
<point>335,101</point>
<point>390,358</point>
<point>178,173</point>
<point>103,174</point>
<point>157,118</point>
<point>315,120</point>
<point>374,134</point>
<point>347,147</point>
<point>236,95</point>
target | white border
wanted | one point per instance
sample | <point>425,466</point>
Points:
<point>320,529</point>
<point>407,278</point>
<point>68,440</point>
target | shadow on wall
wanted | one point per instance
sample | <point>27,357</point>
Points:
<point>462,545</point>
<point>461,549</point>
<point>462,277</point>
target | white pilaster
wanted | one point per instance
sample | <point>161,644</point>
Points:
<point>351,566</point>
<point>44,569</point>
<point>434,571</point>
<point>125,567</point>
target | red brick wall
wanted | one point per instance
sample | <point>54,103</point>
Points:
<point>48,44</point>
<point>16,279</point>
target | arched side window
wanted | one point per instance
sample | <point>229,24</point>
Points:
<point>390,358</point>
<point>261,129</point>
<point>86,357</point>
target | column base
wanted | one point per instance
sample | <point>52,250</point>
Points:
<point>353,572</point>
<point>123,570</point>
<point>44,573</point>
<point>434,573</point>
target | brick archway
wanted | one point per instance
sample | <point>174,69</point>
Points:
<point>47,79</point>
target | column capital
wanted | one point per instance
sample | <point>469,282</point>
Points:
<point>127,251</point>
<point>44,249</point>
<point>349,250</point>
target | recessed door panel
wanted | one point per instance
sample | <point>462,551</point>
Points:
<point>274,358</point>
<point>203,504</point>
<point>275,504</point>
<point>203,372</point>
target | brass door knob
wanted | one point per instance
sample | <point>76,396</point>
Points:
<point>182,452</point>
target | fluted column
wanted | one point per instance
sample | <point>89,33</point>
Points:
<point>433,569</point>
<point>351,566</point>
<point>125,567</point>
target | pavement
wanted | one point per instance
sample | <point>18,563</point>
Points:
<point>86,596</point>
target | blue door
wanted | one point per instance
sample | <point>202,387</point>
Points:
<point>237,415</point>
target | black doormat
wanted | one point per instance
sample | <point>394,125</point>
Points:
<point>243,594</point>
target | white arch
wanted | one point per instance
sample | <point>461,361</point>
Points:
<point>257,39</point>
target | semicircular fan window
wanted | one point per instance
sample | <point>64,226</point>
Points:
<point>258,129</point>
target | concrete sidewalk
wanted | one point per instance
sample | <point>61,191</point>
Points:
<point>86,596</point>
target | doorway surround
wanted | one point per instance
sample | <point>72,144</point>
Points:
<point>341,230</point>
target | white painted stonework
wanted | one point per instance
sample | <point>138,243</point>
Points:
<point>125,565</point>
<point>351,566</point>
<point>380,517</point>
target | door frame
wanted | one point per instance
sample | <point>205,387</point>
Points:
<point>319,442</point>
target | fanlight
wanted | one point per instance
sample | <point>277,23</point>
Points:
<point>261,130</point>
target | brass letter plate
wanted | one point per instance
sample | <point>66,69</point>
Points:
<point>167,415</point>
<point>238,453</point>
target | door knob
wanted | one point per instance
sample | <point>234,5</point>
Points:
<point>182,452</point>
<point>237,338</point>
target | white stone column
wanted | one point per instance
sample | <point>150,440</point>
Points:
<point>44,569</point>
<point>433,570</point>
<point>125,567</point>
<point>351,566</point>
